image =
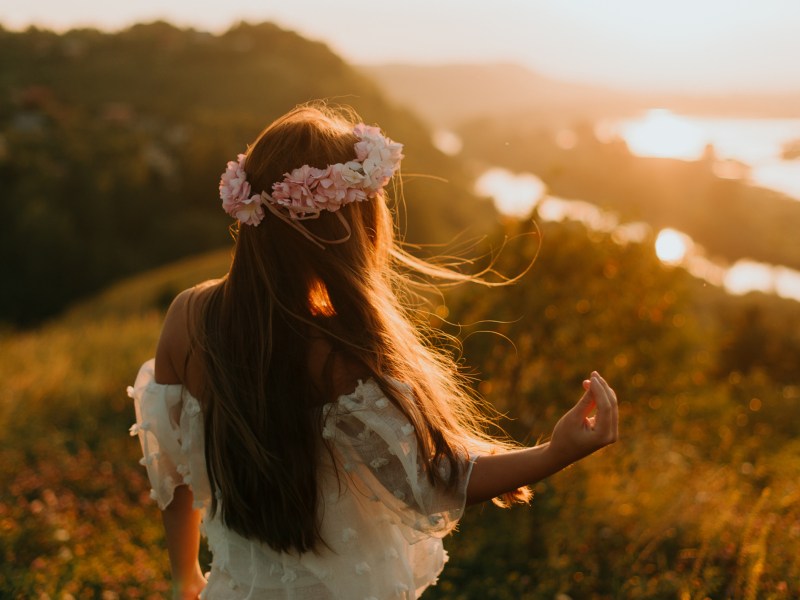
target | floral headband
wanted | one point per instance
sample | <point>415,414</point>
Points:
<point>307,191</point>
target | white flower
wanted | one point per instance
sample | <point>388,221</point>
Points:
<point>350,173</point>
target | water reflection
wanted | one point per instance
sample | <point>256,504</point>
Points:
<point>754,143</point>
<point>514,194</point>
<point>672,246</point>
<point>447,142</point>
<point>517,195</point>
<point>661,133</point>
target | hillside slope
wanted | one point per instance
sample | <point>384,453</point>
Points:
<point>447,95</point>
<point>709,417</point>
<point>112,144</point>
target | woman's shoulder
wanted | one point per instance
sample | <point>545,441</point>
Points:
<point>189,298</point>
<point>178,330</point>
<point>186,305</point>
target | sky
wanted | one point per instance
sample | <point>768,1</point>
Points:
<point>678,45</point>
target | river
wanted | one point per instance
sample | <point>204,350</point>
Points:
<point>516,194</point>
<point>756,143</point>
<point>743,148</point>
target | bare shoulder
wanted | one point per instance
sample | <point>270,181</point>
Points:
<point>175,340</point>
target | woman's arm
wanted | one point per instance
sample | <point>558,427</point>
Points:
<point>181,521</point>
<point>182,525</point>
<point>576,435</point>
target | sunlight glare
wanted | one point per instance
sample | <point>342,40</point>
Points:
<point>671,246</point>
<point>514,194</point>
<point>558,209</point>
<point>747,276</point>
<point>663,134</point>
<point>447,142</point>
<point>787,282</point>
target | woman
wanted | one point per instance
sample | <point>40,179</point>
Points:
<point>296,413</point>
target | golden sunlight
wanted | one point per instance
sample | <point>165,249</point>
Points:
<point>664,134</point>
<point>514,194</point>
<point>672,246</point>
<point>747,276</point>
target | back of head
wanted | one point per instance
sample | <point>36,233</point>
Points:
<point>293,265</point>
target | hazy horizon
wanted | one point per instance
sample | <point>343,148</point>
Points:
<point>682,48</point>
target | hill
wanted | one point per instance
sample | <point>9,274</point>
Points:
<point>730,218</point>
<point>448,95</point>
<point>508,116</point>
<point>112,144</point>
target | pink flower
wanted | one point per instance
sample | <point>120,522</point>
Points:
<point>233,186</point>
<point>380,157</point>
<point>297,191</point>
<point>234,190</point>
<point>307,191</point>
<point>250,211</point>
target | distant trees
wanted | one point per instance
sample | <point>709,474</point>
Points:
<point>111,146</point>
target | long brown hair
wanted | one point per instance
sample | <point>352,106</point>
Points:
<point>262,412</point>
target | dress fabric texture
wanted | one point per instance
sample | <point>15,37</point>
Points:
<point>381,518</point>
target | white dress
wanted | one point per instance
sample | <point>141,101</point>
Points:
<point>382,522</point>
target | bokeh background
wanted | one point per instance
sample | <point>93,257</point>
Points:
<point>646,154</point>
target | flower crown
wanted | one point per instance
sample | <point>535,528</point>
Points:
<point>307,191</point>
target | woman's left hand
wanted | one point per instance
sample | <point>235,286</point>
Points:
<point>589,425</point>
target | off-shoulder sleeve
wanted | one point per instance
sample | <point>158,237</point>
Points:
<point>158,414</point>
<point>379,448</point>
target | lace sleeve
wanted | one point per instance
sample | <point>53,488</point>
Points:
<point>378,448</point>
<point>158,414</point>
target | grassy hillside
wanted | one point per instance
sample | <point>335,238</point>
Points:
<point>699,499</point>
<point>75,511</point>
